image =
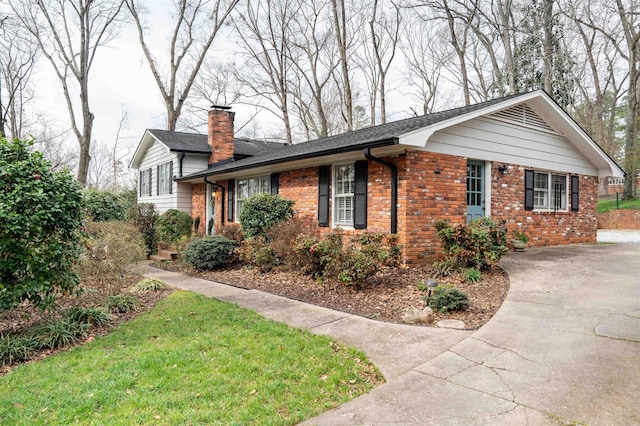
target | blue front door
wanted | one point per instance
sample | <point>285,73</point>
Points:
<point>475,189</point>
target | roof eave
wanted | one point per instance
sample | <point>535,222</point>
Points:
<point>340,150</point>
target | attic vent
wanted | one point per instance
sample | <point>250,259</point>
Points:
<point>523,115</point>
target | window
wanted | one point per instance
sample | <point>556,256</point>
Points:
<point>344,184</point>
<point>246,188</point>
<point>164,178</point>
<point>145,183</point>
<point>549,191</point>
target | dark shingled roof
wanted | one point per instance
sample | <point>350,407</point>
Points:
<point>197,143</point>
<point>369,137</point>
<point>182,141</point>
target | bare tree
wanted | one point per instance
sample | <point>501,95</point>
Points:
<point>18,57</point>
<point>341,22</point>
<point>425,52</point>
<point>197,23</point>
<point>312,74</point>
<point>264,31</point>
<point>69,34</point>
<point>385,28</point>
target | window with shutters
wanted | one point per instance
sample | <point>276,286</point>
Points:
<point>246,188</point>
<point>344,186</point>
<point>145,183</point>
<point>549,191</point>
<point>164,178</point>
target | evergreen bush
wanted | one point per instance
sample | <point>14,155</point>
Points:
<point>40,231</point>
<point>173,225</point>
<point>210,253</point>
<point>261,212</point>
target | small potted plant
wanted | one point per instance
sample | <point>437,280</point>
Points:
<point>519,241</point>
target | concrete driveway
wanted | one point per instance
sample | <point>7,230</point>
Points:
<point>564,348</point>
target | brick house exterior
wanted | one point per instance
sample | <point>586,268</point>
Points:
<point>520,159</point>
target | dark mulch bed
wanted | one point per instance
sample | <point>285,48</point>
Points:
<point>16,320</point>
<point>387,296</point>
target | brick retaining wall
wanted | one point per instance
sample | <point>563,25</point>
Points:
<point>619,219</point>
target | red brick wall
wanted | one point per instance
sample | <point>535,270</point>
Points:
<point>301,186</point>
<point>220,135</point>
<point>543,228</point>
<point>199,204</point>
<point>619,219</point>
<point>432,187</point>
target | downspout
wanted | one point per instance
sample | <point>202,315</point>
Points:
<point>182,155</point>
<point>394,187</point>
<point>222,204</point>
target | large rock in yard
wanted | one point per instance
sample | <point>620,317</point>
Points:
<point>418,316</point>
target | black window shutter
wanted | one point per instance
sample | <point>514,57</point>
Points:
<point>275,183</point>
<point>575,192</point>
<point>231,186</point>
<point>323,195</point>
<point>528,189</point>
<point>171,177</point>
<point>150,180</point>
<point>157,180</point>
<point>360,195</point>
<point>140,184</point>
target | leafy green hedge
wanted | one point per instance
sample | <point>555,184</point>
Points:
<point>40,232</point>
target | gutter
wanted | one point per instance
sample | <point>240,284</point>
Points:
<point>394,187</point>
<point>223,193</point>
<point>180,164</point>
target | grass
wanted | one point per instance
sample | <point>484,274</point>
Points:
<point>191,360</point>
<point>606,205</point>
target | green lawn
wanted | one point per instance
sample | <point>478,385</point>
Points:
<point>606,205</point>
<point>191,360</point>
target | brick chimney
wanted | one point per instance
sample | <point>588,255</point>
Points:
<point>220,133</point>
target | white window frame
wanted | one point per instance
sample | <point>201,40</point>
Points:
<point>543,196</point>
<point>164,178</point>
<point>338,196</point>
<point>144,182</point>
<point>263,185</point>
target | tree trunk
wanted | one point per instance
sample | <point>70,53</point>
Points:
<point>548,47</point>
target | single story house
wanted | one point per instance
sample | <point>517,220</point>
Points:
<point>519,158</point>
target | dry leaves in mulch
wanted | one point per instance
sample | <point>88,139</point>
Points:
<point>16,320</point>
<point>387,296</point>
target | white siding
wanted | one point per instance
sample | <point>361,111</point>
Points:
<point>493,140</point>
<point>193,163</point>
<point>180,198</point>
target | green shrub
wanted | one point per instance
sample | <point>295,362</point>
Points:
<point>111,246</point>
<point>261,212</point>
<point>351,262</point>
<point>147,285</point>
<point>16,348</point>
<point>472,275</point>
<point>210,253</point>
<point>93,316</point>
<point>173,225</point>
<point>144,216</point>
<point>447,298</point>
<point>59,333</point>
<point>40,227</point>
<point>122,303</point>
<point>479,244</point>
<point>102,205</point>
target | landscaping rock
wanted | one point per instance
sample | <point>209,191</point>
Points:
<point>418,316</point>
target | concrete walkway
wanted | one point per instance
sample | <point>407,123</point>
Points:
<point>564,347</point>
